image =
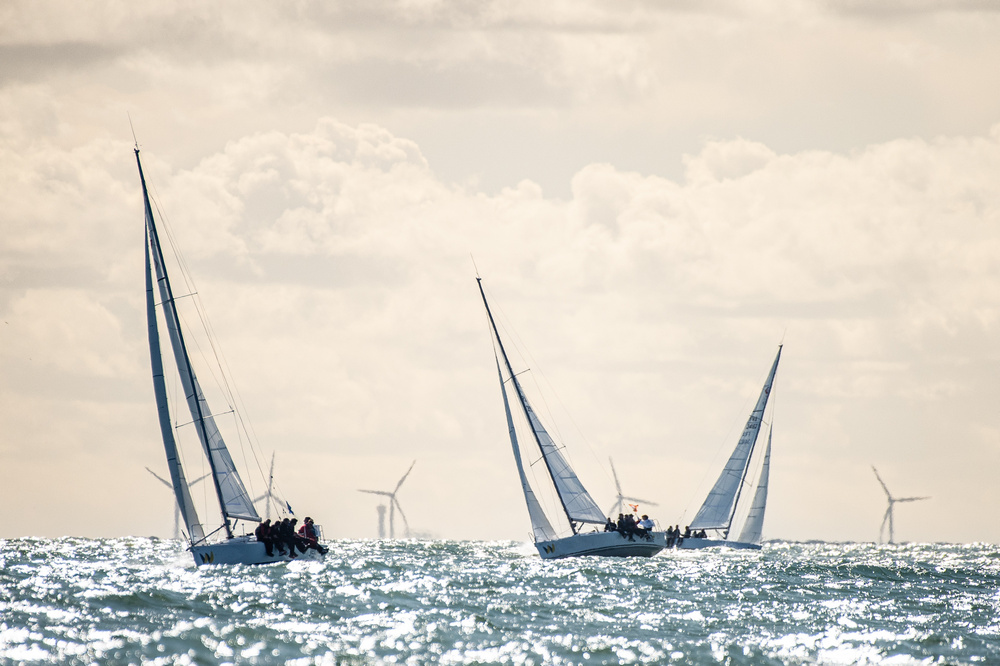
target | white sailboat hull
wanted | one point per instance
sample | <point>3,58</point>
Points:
<point>694,543</point>
<point>602,544</point>
<point>244,550</point>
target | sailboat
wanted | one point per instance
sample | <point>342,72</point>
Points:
<point>578,507</point>
<point>716,514</point>
<point>222,544</point>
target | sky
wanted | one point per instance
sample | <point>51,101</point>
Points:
<point>655,194</point>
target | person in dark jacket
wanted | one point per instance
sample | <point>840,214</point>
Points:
<point>263,534</point>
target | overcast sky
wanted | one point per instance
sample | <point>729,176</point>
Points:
<point>656,194</point>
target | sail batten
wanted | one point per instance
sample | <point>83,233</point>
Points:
<point>720,505</point>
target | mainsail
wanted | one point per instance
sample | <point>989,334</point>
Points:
<point>577,503</point>
<point>753,528</point>
<point>718,508</point>
<point>234,501</point>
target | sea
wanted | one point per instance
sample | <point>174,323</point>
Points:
<point>142,601</point>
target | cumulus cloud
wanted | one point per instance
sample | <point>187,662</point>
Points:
<point>336,267</point>
<point>654,195</point>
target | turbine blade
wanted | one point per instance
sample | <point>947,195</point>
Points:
<point>404,477</point>
<point>641,501</point>
<point>911,499</point>
<point>618,486</point>
<point>162,480</point>
<point>886,489</point>
<point>406,523</point>
<point>384,493</point>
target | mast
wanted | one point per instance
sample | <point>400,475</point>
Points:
<point>170,308</point>
<point>521,400</point>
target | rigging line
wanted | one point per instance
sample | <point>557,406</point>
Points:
<point>212,415</point>
<point>177,298</point>
<point>705,482</point>
<point>206,365</point>
<point>543,483</point>
<point>222,379</point>
<point>553,424</point>
<point>167,228</point>
<point>544,498</point>
<point>227,383</point>
<point>522,400</point>
<point>188,280</point>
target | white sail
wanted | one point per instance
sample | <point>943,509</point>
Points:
<point>754,526</point>
<point>717,510</point>
<point>234,500</point>
<point>177,478</point>
<point>579,505</point>
<point>540,526</point>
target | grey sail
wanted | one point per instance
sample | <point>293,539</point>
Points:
<point>540,526</point>
<point>233,498</point>
<point>717,510</point>
<point>177,479</point>
<point>753,528</point>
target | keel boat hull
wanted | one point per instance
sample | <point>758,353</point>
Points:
<point>601,544</point>
<point>694,543</point>
<point>244,550</point>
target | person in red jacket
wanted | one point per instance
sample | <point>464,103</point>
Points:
<point>310,536</point>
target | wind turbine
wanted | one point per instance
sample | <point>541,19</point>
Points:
<point>619,505</point>
<point>393,505</point>
<point>888,512</point>
<point>177,509</point>
<point>269,495</point>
